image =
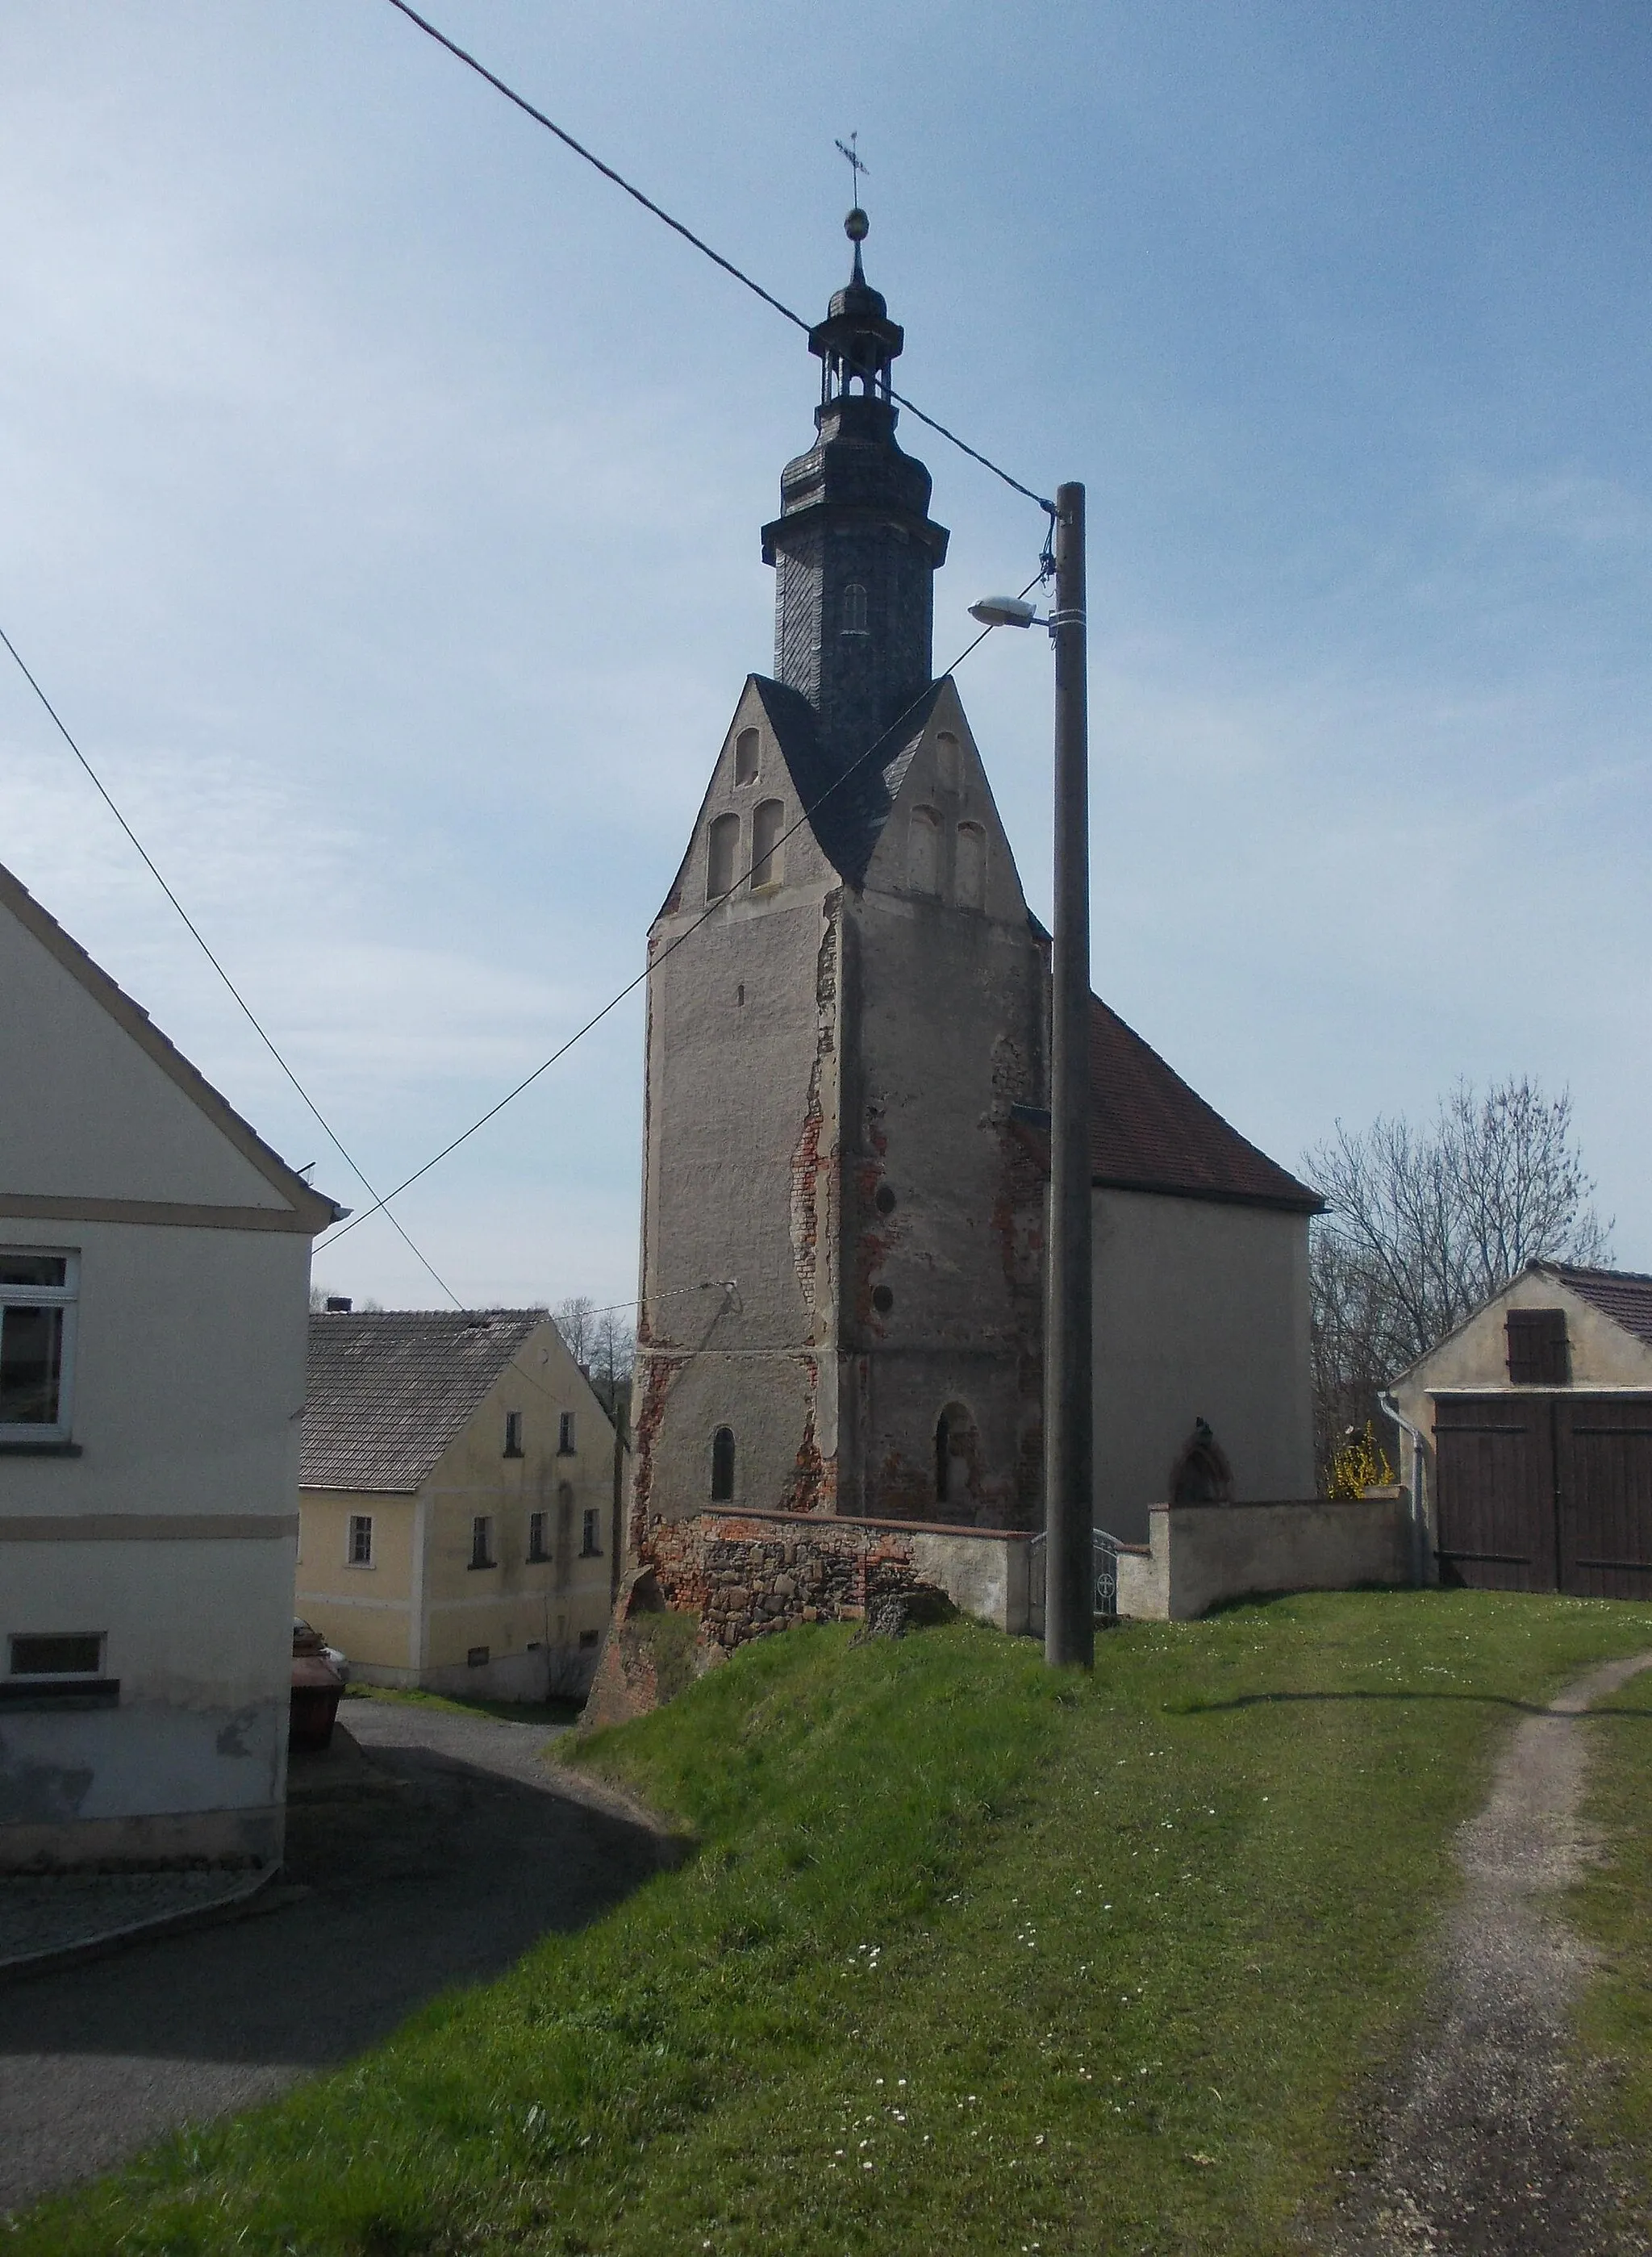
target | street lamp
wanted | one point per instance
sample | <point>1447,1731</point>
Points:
<point>1069,1582</point>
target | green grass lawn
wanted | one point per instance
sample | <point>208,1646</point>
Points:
<point>973,1957</point>
<point>1613,1909</point>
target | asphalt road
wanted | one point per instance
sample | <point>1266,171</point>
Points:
<point>438,1862</point>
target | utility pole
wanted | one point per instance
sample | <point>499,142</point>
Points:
<point>1069,1629</point>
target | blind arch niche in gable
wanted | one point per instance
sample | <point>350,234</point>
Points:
<point>923,851</point>
<point>723,854</point>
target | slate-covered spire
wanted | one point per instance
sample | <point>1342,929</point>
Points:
<point>854,544</point>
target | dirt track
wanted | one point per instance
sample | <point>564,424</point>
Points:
<point>1483,2142</point>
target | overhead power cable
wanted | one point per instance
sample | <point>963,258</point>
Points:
<point>632,986</point>
<point>199,938</point>
<point>739,273</point>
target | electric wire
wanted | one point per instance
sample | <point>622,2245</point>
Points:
<point>710,910</point>
<point>739,273</point>
<point>202,943</point>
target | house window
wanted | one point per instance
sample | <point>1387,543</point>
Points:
<point>360,1554</point>
<point>513,1434</point>
<point>924,852</point>
<point>745,751</point>
<point>37,1343</point>
<point>955,1455</point>
<point>476,1657</point>
<point>77,1654</point>
<point>565,1435</point>
<point>766,825</point>
<point>854,609</point>
<point>971,867</point>
<point>723,852</point>
<point>589,1636</point>
<point>1538,1348</point>
<point>536,1524</point>
<point>482,1540</point>
<point>591,1544</point>
<point>947,766</point>
<point>723,1466</point>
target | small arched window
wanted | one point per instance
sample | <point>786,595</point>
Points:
<point>955,1455</point>
<point>854,609</point>
<point>924,854</point>
<point>766,824</point>
<point>723,1466</point>
<point>745,751</point>
<point>948,761</point>
<point>723,852</point>
<point>971,867</point>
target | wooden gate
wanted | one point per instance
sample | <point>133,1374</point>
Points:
<point>1545,1492</point>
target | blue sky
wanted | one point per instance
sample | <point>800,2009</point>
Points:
<point>379,495</point>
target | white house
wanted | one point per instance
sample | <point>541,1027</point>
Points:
<point>154,1268</point>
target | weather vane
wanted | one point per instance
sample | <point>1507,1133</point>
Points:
<point>852,150</point>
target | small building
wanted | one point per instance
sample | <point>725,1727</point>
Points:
<point>1527,1437</point>
<point>155,1280</point>
<point>458,1501</point>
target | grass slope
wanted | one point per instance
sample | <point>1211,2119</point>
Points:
<point>1613,1908</point>
<point>973,1957</point>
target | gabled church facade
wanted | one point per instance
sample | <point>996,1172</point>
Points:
<point>845,1140</point>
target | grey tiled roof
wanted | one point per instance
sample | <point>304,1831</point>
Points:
<point>1623,1295</point>
<point>388,1389</point>
<point>848,821</point>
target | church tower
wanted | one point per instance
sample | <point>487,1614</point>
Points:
<point>842,1214</point>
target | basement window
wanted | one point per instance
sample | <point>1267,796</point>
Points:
<point>1538,1348</point>
<point>723,1466</point>
<point>61,1669</point>
<point>37,1345</point>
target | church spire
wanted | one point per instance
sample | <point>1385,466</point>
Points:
<point>854,544</point>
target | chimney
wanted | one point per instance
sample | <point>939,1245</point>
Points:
<point>338,1304</point>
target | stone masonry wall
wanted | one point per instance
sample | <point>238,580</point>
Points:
<point>746,1577</point>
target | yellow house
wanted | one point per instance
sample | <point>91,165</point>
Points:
<point>458,1510</point>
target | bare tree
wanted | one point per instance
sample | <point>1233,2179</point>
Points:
<point>1424,1224</point>
<point>603,1343</point>
<point>575,1319</point>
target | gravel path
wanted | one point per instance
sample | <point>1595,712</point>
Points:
<point>1483,2145</point>
<point>438,1860</point>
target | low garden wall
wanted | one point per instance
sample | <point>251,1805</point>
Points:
<point>1198,1555</point>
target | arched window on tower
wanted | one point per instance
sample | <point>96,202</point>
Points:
<point>745,753</point>
<point>957,1452</point>
<point>723,1466</point>
<point>767,823</point>
<point>723,852</point>
<point>971,867</point>
<point>948,763</point>
<point>854,609</point>
<point>923,865</point>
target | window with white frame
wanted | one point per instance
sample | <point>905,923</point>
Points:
<point>360,1554</point>
<point>37,1343</point>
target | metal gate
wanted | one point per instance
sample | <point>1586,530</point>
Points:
<point>1545,1492</point>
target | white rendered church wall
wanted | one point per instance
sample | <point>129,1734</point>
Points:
<point>1201,1311</point>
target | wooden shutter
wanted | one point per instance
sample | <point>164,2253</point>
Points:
<point>1537,1355</point>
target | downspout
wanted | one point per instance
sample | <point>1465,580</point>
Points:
<point>1419,1483</point>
